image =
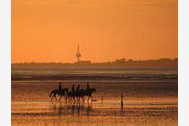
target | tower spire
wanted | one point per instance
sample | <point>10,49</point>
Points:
<point>78,54</point>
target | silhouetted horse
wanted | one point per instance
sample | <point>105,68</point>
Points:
<point>74,96</point>
<point>89,93</point>
<point>85,92</point>
<point>69,96</point>
<point>57,92</point>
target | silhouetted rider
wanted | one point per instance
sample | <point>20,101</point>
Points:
<point>88,87</point>
<point>73,88</point>
<point>59,86</point>
<point>78,87</point>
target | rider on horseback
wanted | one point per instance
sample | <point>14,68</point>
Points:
<point>78,93</point>
<point>73,93</point>
<point>88,87</point>
<point>73,88</point>
<point>78,88</point>
<point>59,86</point>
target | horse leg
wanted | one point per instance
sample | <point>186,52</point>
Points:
<point>73,100</point>
<point>91,99</point>
<point>66,99</point>
<point>79,99</point>
<point>83,100</point>
<point>69,99</point>
<point>55,97</point>
<point>51,98</point>
<point>60,98</point>
<point>88,100</point>
<point>76,100</point>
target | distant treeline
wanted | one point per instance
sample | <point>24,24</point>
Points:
<point>118,63</point>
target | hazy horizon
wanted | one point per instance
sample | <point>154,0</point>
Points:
<point>100,61</point>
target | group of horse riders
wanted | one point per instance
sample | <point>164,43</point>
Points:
<point>74,95</point>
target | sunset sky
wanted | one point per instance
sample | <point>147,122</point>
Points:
<point>49,30</point>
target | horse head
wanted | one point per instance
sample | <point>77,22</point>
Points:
<point>53,92</point>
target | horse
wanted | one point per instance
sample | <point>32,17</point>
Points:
<point>57,92</point>
<point>81,94</point>
<point>69,95</point>
<point>89,93</point>
<point>85,92</point>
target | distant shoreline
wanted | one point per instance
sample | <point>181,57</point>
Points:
<point>117,61</point>
<point>163,63</point>
<point>161,69</point>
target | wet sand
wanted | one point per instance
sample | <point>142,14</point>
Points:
<point>146,103</point>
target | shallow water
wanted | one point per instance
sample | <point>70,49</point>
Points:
<point>146,103</point>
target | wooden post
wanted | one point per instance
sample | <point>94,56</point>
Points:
<point>121,101</point>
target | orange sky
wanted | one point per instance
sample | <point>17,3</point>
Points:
<point>49,30</point>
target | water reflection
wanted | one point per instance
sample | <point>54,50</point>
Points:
<point>59,114</point>
<point>71,109</point>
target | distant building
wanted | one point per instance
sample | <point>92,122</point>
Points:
<point>78,55</point>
